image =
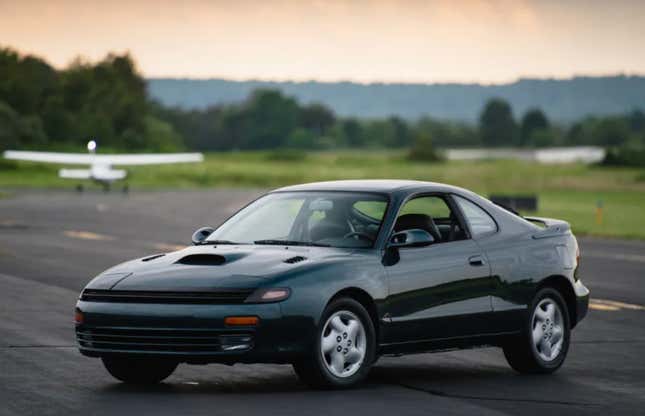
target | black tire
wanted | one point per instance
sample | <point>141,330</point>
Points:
<point>314,372</point>
<point>139,370</point>
<point>521,352</point>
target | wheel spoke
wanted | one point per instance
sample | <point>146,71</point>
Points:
<point>338,362</point>
<point>541,314</point>
<point>557,334</point>
<point>538,333</point>
<point>550,311</point>
<point>337,324</point>
<point>353,356</point>
<point>329,342</point>
<point>352,329</point>
<point>545,348</point>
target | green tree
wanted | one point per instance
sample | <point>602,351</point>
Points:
<point>448,134</point>
<point>268,119</point>
<point>542,138</point>
<point>402,135</point>
<point>352,132</point>
<point>422,149</point>
<point>17,131</point>
<point>26,82</point>
<point>496,124</point>
<point>637,121</point>
<point>533,121</point>
<point>9,127</point>
<point>610,131</point>
<point>317,118</point>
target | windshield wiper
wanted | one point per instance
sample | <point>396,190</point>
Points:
<point>290,243</point>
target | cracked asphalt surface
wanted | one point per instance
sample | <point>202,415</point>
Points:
<point>52,243</point>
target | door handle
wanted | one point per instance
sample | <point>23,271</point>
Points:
<point>476,260</point>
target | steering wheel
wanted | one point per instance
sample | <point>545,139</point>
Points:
<point>360,236</point>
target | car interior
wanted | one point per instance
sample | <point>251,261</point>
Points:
<point>432,214</point>
<point>345,222</point>
<point>335,222</point>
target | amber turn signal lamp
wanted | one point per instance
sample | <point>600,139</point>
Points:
<point>241,320</point>
<point>78,317</point>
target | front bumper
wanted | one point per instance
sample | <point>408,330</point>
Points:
<point>191,333</point>
<point>582,301</point>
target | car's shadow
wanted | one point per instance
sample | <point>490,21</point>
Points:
<point>282,379</point>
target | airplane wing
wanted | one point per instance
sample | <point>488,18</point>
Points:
<point>75,173</point>
<point>88,159</point>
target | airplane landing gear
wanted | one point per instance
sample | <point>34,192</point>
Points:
<point>79,188</point>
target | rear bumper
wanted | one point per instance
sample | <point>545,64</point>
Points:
<point>191,333</point>
<point>582,301</point>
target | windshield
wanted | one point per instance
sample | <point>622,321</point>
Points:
<point>335,219</point>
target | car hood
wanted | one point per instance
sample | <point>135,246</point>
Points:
<point>215,267</point>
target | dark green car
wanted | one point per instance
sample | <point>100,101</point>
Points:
<point>329,276</point>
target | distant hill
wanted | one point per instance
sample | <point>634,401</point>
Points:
<point>562,100</point>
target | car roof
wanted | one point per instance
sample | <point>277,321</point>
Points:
<point>372,185</point>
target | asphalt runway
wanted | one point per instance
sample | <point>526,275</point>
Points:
<point>52,243</point>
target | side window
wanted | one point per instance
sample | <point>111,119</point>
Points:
<point>480,221</point>
<point>432,214</point>
<point>433,206</point>
<point>372,209</point>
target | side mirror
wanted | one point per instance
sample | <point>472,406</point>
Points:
<point>202,234</point>
<point>411,238</point>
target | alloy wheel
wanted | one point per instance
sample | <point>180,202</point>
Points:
<point>547,329</point>
<point>343,344</point>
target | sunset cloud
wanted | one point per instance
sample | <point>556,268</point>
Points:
<point>360,40</point>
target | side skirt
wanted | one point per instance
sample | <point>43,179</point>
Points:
<point>446,344</point>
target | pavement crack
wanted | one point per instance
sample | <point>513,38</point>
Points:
<point>440,393</point>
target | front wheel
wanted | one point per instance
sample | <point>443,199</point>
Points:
<point>544,342</point>
<point>344,348</point>
<point>139,370</point>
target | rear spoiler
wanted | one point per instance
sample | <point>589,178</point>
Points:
<point>552,227</point>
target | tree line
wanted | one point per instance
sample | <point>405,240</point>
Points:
<point>41,107</point>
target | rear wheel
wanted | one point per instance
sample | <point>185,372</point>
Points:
<point>139,370</point>
<point>543,345</point>
<point>344,347</point>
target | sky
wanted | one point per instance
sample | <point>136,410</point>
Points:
<point>433,41</point>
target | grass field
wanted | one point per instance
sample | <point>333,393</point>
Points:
<point>570,191</point>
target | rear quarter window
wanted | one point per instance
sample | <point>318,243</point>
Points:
<point>479,221</point>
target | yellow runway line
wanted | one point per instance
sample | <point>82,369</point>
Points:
<point>87,235</point>
<point>612,305</point>
<point>168,247</point>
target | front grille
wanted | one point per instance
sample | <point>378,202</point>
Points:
<point>162,340</point>
<point>222,297</point>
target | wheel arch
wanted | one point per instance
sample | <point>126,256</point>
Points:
<point>365,299</point>
<point>563,286</point>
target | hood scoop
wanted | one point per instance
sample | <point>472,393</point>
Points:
<point>295,259</point>
<point>202,260</point>
<point>154,256</point>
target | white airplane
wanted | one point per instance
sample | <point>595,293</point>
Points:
<point>100,169</point>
